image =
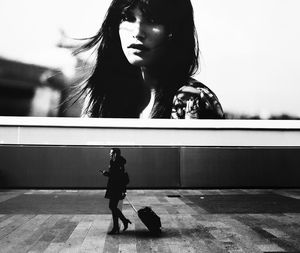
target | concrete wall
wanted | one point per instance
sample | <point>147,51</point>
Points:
<point>33,166</point>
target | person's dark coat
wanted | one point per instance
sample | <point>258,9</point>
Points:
<point>115,186</point>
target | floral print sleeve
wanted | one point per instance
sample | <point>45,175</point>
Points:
<point>196,101</point>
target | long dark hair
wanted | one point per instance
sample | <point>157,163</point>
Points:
<point>114,87</point>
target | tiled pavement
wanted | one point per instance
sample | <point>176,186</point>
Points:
<point>236,220</point>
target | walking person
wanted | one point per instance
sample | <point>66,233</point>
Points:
<point>116,188</point>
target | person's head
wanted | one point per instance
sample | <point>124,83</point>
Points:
<point>165,29</point>
<point>114,153</point>
<point>144,40</point>
<point>157,34</point>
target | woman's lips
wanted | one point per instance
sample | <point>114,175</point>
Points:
<point>139,47</point>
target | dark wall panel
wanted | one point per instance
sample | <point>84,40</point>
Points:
<point>153,167</point>
<point>77,167</point>
<point>240,167</point>
<point>150,167</point>
<point>51,166</point>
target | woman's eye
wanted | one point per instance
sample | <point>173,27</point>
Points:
<point>152,21</point>
<point>127,17</point>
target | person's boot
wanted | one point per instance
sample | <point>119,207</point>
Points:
<point>116,228</point>
<point>125,223</point>
<point>123,219</point>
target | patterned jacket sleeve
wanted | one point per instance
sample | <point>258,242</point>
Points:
<point>196,101</point>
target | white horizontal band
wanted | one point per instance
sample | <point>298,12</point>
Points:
<point>155,132</point>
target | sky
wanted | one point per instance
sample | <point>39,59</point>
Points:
<point>250,54</point>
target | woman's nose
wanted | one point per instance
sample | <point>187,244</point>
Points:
<point>138,30</point>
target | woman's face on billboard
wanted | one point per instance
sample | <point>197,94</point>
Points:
<point>143,41</point>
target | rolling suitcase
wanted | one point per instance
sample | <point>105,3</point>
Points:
<point>150,219</point>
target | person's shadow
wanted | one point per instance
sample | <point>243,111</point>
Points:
<point>165,233</point>
<point>196,232</point>
<point>142,234</point>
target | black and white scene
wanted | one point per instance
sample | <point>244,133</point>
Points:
<point>239,63</point>
<point>160,126</point>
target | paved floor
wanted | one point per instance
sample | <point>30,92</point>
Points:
<point>192,220</point>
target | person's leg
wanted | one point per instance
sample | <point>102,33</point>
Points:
<point>113,206</point>
<point>121,215</point>
<point>123,218</point>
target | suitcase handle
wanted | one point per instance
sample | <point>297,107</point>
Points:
<point>131,204</point>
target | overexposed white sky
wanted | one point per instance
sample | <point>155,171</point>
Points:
<point>250,48</point>
<point>251,53</point>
